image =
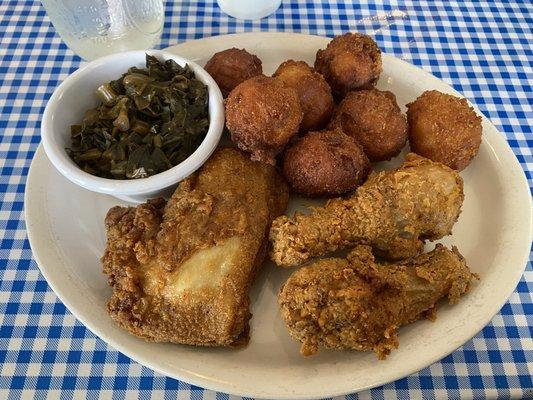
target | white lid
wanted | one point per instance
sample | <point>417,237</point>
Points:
<point>249,9</point>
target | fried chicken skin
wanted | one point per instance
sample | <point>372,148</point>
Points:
<point>180,270</point>
<point>444,128</point>
<point>373,118</point>
<point>231,67</point>
<point>262,114</point>
<point>313,91</point>
<point>350,62</point>
<point>393,211</point>
<point>325,164</point>
<point>359,304</point>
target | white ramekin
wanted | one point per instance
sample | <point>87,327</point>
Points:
<point>76,94</point>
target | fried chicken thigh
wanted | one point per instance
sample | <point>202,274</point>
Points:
<point>180,270</point>
<point>393,211</point>
<point>358,304</point>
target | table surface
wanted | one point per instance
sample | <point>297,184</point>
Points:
<point>482,48</point>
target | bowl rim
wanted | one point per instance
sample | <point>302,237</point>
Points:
<point>64,164</point>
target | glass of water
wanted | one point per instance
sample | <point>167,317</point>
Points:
<point>95,28</point>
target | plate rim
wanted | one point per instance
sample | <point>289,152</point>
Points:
<point>209,383</point>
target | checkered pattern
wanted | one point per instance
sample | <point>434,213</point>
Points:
<point>482,48</point>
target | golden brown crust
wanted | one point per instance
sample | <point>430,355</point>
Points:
<point>228,205</point>
<point>358,304</point>
<point>231,67</point>
<point>325,163</point>
<point>373,118</point>
<point>313,91</point>
<point>262,114</point>
<point>444,128</point>
<point>393,211</point>
<point>350,62</point>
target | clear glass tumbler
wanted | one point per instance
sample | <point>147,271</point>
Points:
<point>94,28</point>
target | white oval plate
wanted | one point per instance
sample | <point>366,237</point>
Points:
<point>65,227</point>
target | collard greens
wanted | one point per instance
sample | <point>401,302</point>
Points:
<point>149,120</point>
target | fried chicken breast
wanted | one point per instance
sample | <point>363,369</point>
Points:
<point>180,270</point>
<point>393,211</point>
<point>357,303</point>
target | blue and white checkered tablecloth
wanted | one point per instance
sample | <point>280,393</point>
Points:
<point>482,48</point>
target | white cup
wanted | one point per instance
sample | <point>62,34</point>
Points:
<point>249,9</point>
<point>76,94</point>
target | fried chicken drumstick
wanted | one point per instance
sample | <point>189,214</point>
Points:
<point>358,304</point>
<point>394,212</point>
